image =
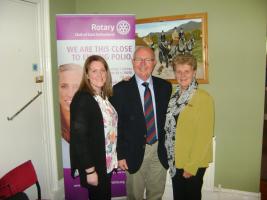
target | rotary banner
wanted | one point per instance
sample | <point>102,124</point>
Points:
<point>79,36</point>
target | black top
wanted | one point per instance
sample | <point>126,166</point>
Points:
<point>87,138</point>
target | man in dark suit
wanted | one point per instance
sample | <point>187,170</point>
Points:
<point>141,109</point>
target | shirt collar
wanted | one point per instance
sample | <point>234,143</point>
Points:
<point>140,81</point>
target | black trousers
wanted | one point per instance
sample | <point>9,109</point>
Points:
<point>187,189</point>
<point>103,190</point>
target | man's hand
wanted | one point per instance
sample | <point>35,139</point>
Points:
<point>122,164</point>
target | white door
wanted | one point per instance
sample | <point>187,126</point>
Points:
<point>23,137</point>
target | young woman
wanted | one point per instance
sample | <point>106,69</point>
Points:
<point>93,126</point>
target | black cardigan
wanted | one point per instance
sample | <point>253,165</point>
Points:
<point>87,138</point>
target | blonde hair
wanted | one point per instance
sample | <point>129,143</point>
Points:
<point>85,83</point>
<point>182,59</point>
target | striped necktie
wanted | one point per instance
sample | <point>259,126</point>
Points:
<point>151,136</point>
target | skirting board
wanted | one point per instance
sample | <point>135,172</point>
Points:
<point>218,194</point>
<point>59,194</point>
<point>229,194</point>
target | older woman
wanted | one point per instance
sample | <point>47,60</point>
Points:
<point>93,126</point>
<point>189,131</point>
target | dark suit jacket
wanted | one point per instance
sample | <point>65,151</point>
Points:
<point>87,138</point>
<point>131,124</point>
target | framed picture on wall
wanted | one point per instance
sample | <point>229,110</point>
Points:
<point>172,35</point>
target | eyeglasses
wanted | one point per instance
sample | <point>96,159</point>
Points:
<point>147,60</point>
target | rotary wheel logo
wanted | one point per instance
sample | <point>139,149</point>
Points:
<point>123,27</point>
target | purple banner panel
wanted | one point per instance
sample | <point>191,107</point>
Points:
<point>74,191</point>
<point>79,36</point>
<point>95,27</point>
<point>118,184</point>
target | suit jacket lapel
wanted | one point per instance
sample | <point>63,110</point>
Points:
<point>135,96</point>
<point>156,87</point>
<point>158,100</point>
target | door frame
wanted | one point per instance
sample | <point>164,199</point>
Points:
<point>43,22</point>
